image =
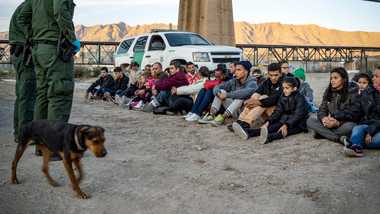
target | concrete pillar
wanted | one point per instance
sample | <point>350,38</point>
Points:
<point>210,18</point>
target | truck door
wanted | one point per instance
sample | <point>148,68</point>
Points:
<point>156,50</point>
<point>139,50</point>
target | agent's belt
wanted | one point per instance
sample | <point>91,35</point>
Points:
<point>45,42</point>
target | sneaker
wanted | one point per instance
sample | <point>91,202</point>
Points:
<point>345,141</point>
<point>161,110</point>
<point>155,102</point>
<point>342,139</point>
<point>193,118</point>
<point>353,151</point>
<point>187,115</point>
<point>317,136</point>
<point>207,119</point>
<point>138,106</point>
<point>118,99</point>
<point>263,138</point>
<point>230,128</point>
<point>218,121</point>
<point>239,131</point>
<point>148,108</point>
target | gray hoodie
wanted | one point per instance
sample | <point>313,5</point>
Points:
<point>306,91</point>
<point>236,90</point>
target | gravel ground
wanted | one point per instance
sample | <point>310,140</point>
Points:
<point>162,164</point>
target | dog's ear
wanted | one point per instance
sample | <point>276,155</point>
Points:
<point>84,129</point>
<point>101,129</point>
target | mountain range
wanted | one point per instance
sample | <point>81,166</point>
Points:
<point>245,33</point>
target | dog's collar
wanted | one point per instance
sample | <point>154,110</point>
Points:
<point>77,140</point>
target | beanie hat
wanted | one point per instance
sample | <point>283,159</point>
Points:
<point>300,73</point>
<point>246,64</point>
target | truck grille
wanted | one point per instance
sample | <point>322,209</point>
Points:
<point>225,53</point>
<point>225,60</point>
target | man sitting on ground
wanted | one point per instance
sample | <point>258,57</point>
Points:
<point>121,84</point>
<point>176,79</point>
<point>106,85</point>
<point>231,95</point>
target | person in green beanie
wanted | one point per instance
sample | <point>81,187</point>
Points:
<point>305,89</point>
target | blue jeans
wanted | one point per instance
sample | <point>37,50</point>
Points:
<point>101,91</point>
<point>119,93</point>
<point>358,137</point>
<point>204,99</point>
<point>163,98</point>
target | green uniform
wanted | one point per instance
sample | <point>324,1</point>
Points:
<point>51,20</point>
<point>25,76</point>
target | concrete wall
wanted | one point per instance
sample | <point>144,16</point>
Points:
<point>210,18</point>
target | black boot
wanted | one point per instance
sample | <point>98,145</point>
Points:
<point>38,152</point>
<point>55,157</point>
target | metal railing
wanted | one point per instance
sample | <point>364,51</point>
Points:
<point>258,53</point>
<point>101,53</point>
<point>92,53</point>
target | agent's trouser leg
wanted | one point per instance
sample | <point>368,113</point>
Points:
<point>25,94</point>
<point>55,84</point>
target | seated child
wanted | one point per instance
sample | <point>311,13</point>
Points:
<point>143,93</point>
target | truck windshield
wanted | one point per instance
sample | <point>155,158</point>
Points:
<point>181,39</point>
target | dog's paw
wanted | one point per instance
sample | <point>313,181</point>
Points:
<point>14,181</point>
<point>54,183</point>
<point>82,195</point>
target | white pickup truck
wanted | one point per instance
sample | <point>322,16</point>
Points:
<point>165,46</point>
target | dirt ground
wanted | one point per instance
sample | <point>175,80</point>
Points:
<point>162,164</point>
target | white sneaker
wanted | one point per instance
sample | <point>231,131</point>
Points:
<point>139,105</point>
<point>207,119</point>
<point>239,131</point>
<point>188,115</point>
<point>263,138</point>
<point>193,118</point>
<point>155,102</point>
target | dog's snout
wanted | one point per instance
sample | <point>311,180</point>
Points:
<point>104,153</point>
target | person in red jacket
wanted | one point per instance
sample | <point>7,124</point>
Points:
<point>206,96</point>
<point>176,79</point>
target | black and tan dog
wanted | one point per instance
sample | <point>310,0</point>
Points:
<point>68,140</point>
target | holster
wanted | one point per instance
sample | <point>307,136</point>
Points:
<point>66,50</point>
<point>16,49</point>
<point>27,53</point>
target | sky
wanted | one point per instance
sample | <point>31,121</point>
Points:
<point>349,15</point>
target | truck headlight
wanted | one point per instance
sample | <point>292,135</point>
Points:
<point>201,57</point>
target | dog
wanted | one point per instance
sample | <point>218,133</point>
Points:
<point>68,140</point>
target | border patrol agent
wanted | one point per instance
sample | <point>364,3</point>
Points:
<point>54,45</point>
<point>25,75</point>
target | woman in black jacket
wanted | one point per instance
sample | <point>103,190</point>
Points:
<point>289,117</point>
<point>337,98</point>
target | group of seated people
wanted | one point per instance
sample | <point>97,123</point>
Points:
<point>268,107</point>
